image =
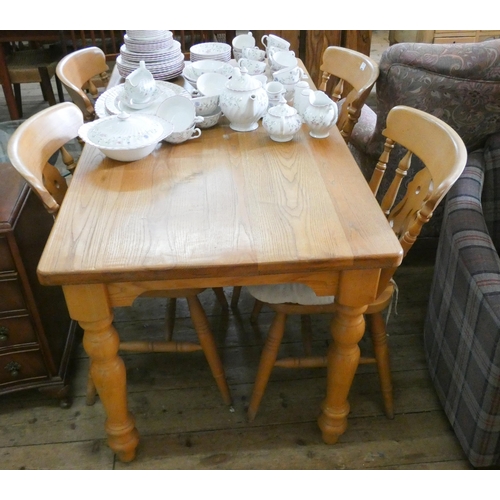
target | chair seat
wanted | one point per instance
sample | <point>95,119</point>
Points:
<point>288,293</point>
<point>24,65</point>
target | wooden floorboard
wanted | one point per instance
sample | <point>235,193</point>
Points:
<point>184,423</point>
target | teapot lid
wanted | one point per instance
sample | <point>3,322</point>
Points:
<point>282,109</point>
<point>241,80</point>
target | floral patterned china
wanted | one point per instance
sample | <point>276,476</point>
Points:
<point>126,137</point>
<point>210,50</point>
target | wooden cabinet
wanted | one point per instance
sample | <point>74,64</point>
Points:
<point>36,332</point>
<point>442,36</point>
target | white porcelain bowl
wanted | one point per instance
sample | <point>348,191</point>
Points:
<point>126,137</point>
<point>179,111</point>
<point>205,105</point>
<point>206,66</point>
<point>211,120</point>
<point>211,84</point>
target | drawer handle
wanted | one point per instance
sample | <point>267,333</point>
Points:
<point>13,368</point>
<point>4,333</point>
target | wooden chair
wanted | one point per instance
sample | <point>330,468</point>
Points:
<point>443,155</point>
<point>29,149</point>
<point>76,71</point>
<point>359,72</point>
<point>29,63</point>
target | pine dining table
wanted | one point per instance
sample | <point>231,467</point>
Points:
<point>227,209</point>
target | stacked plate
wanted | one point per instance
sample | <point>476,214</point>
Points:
<point>210,50</point>
<point>157,48</point>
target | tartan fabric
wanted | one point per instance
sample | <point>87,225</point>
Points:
<point>462,326</point>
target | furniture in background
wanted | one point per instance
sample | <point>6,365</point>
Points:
<point>458,83</point>
<point>462,327</point>
<point>76,71</point>
<point>442,36</point>
<point>50,129</point>
<point>36,332</point>
<point>28,59</point>
<point>444,155</point>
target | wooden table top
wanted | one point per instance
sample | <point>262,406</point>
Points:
<point>227,208</point>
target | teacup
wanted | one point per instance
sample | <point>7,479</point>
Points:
<point>274,91</point>
<point>242,41</point>
<point>289,76</point>
<point>275,41</point>
<point>183,135</point>
<point>253,67</point>
<point>280,59</point>
<point>179,111</point>
<point>254,53</point>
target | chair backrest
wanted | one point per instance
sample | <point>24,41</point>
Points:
<point>35,141</point>
<point>357,70</point>
<point>76,71</point>
<point>443,156</point>
<point>109,41</point>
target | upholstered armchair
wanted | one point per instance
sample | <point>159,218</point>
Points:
<point>462,327</point>
<point>458,83</point>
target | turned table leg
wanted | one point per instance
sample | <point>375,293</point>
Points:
<point>357,289</point>
<point>347,328</point>
<point>88,304</point>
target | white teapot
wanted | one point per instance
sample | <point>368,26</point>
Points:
<point>243,101</point>
<point>140,85</point>
<point>282,121</point>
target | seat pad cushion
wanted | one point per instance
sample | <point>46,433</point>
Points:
<point>288,293</point>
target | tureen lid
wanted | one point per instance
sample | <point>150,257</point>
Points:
<point>125,131</point>
<point>241,80</point>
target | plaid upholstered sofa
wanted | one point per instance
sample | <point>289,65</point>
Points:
<point>459,83</point>
<point>462,328</point>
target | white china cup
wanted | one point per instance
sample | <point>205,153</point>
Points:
<point>281,59</point>
<point>253,67</point>
<point>254,53</point>
<point>179,111</point>
<point>183,135</point>
<point>290,75</point>
<point>244,40</point>
<point>275,41</point>
<point>274,91</point>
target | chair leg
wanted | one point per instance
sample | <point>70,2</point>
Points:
<point>236,296</point>
<point>267,360</point>
<point>60,91</point>
<point>257,307</point>
<point>47,91</point>
<point>379,338</point>
<point>305,330</point>
<point>170,318</point>
<point>221,297</point>
<point>91,394</point>
<point>207,342</point>
<point>19,101</point>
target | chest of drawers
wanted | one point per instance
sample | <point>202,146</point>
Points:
<point>36,332</point>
